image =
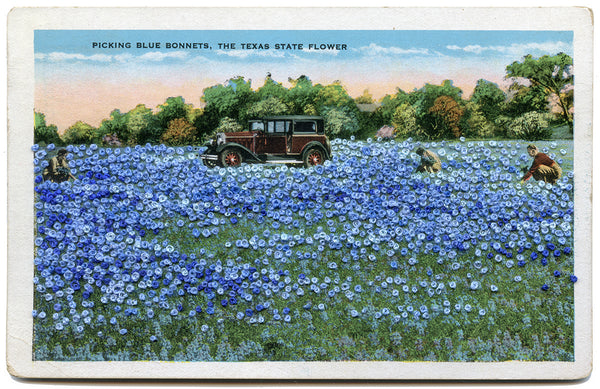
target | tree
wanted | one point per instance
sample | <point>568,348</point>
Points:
<point>389,104</point>
<point>446,114</point>
<point>138,119</point>
<point>116,124</point>
<point>365,98</point>
<point>43,133</point>
<point>478,125</point>
<point>432,121</point>
<point>173,108</point>
<point>554,74</point>
<point>80,133</point>
<point>404,121</point>
<point>489,98</point>
<point>225,100</point>
<point>302,95</point>
<point>340,122</point>
<point>179,132</point>
<point>270,106</point>
<point>334,95</point>
<point>271,88</point>
<point>525,99</point>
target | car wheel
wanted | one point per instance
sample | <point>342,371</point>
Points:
<point>231,157</point>
<point>313,157</point>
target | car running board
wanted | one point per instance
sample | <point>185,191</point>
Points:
<point>282,161</point>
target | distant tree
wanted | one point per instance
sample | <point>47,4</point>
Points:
<point>489,99</point>
<point>173,108</point>
<point>446,114</point>
<point>365,98</point>
<point>404,121</point>
<point>477,124</point>
<point>138,119</point>
<point>179,132</point>
<point>523,99</point>
<point>554,74</point>
<point>302,94</point>
<point>231,99</point>
<point>270,106</point>
<point>271,88</point>
<point>340,122</point>
<point>80,133</point>
<point>389,104</point>
<point>334,95</point>
<point>43,133</point>
<point>116,124</point>
<point>437,122</point>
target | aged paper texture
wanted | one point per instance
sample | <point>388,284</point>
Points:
<point>299,193</point>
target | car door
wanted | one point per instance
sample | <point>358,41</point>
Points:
<point>275,137</point>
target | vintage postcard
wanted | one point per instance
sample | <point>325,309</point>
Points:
<point>300,193</point>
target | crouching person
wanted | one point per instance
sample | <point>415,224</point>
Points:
<point>58,168</point>
<point>430,162</point>
<point>543,167</point>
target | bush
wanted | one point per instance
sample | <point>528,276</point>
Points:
<point>179,132</point>
<point>530,126</point>
<point>340,122</point>
<point>404,120</point>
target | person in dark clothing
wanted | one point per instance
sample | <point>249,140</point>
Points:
<point>543,167</point>
<point>58,168</point>
<point>430,162</point>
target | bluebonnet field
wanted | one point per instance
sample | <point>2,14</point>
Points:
<point>150,255</point>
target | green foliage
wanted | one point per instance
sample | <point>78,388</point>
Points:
<point>179,132</point>
<point>525,99</point>
<point>477,124</point>
<point>340,122</point>
<point>489,97</point>
<point>81,133</point>
<point>365,98</point>
<point>301,95</point>
<point>530,126</point>
<point>43,133</point>
<point>268,107</point>
<point>552,74</point>
<point>404,121</point>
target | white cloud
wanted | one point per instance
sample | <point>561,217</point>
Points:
<point>517,49</point>
<point>157,56</point>
<point>63,57</point>
<point>154,56</point>
<point>375,49</point>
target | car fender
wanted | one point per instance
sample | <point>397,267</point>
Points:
<point>247,154</point>
<point>318,145</point>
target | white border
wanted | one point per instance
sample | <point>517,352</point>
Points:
<point>22,23</point>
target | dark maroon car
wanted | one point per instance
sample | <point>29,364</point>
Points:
<point>288,139</point>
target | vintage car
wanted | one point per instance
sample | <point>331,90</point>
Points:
<point>291,139</point>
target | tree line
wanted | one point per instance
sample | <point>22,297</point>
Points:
<point>540,96</point>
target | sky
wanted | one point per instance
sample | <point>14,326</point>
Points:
<point>84,75</point>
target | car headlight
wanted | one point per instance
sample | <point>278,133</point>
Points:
<point>220,138</point>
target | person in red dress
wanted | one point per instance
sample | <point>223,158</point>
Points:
<point>543,167</point>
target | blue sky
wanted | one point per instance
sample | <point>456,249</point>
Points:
<point>70,69</point>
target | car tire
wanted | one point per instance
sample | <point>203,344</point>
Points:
<point>313,157</point>
<point>230,157</point>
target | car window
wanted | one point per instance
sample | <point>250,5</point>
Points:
<point>306,127</point>
<point>255,126</point>
<point>278,126</point>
